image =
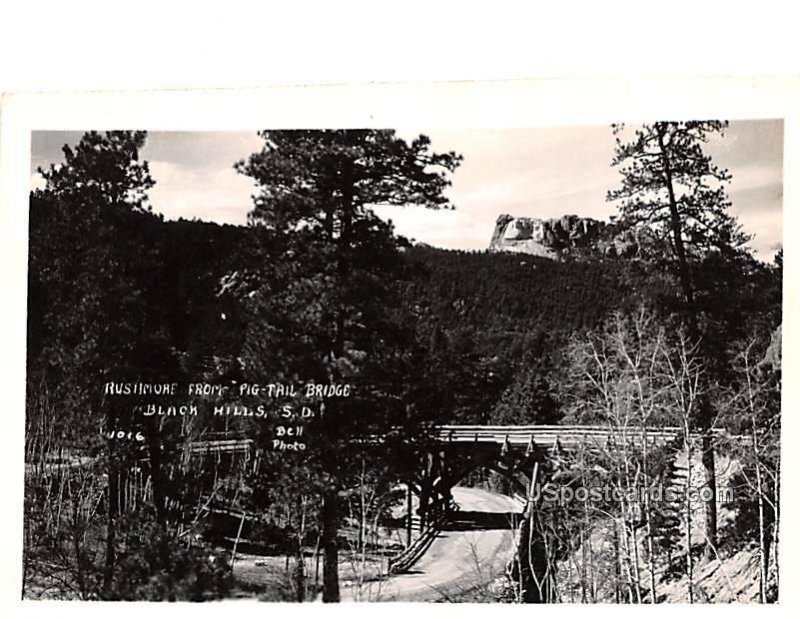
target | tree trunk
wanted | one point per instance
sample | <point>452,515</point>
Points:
<point>533,561</point>
<point>156,474</point>
<point>689,560</point>
<point>707,458</point>
<point>710,504</point>
<point>316,564</point>
<point>112,508</point>
<point>300,574</point>
<point>629,537</point>
<point>330,503</point>
<point>330,549</point>
<point>677,237</point>
<point>762,538</point>
<point>775,526</point>
<point>617,565</point>
<point>409,514</point>
<point>651,562</point>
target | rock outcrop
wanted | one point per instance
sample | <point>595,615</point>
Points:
<point>772,357</point>
<point>569,235</point>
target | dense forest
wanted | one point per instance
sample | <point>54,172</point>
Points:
<point>423,335</point>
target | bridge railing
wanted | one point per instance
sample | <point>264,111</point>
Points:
<point>516,436</point>
<point>220,445</point>
<point>565,436</point>
<point>413,553</point>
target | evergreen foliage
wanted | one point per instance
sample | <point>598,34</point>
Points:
<point>318,289</point>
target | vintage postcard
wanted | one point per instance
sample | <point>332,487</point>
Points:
<point>369,355</point>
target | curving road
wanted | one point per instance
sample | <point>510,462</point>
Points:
<point>469,553</point>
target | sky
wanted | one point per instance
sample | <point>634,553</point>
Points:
<point>526,172</point>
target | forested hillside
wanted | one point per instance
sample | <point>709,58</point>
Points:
<point>394,339</point>
<point>507,312</point>
<point>505,304</point>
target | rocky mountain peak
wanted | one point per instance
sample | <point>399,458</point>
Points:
<point>569,235</point>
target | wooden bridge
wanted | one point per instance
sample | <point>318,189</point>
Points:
<point>520,437</point>
<point>516,451</point>
<point>452,451</point>
<point>498,440</point>
<point>448,453</point>
<point>555,437</point>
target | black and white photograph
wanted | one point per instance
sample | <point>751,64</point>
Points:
<point>517,365</point>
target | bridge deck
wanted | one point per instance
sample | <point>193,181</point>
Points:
<point>548,437</point>
<point>512,437</point>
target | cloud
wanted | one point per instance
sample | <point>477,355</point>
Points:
<point>535,172</point>
<point>201,150</point>
<point>549,172</point>
<point>453,229</point>
<point>37,181</point>
<point>220,195</point>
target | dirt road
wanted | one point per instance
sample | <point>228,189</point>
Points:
<point>467,555</point>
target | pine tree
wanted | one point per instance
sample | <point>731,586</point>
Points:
<point>90,271</point>
<point>670,184</point>
<point>323,309</point>
<point>94,304</point>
